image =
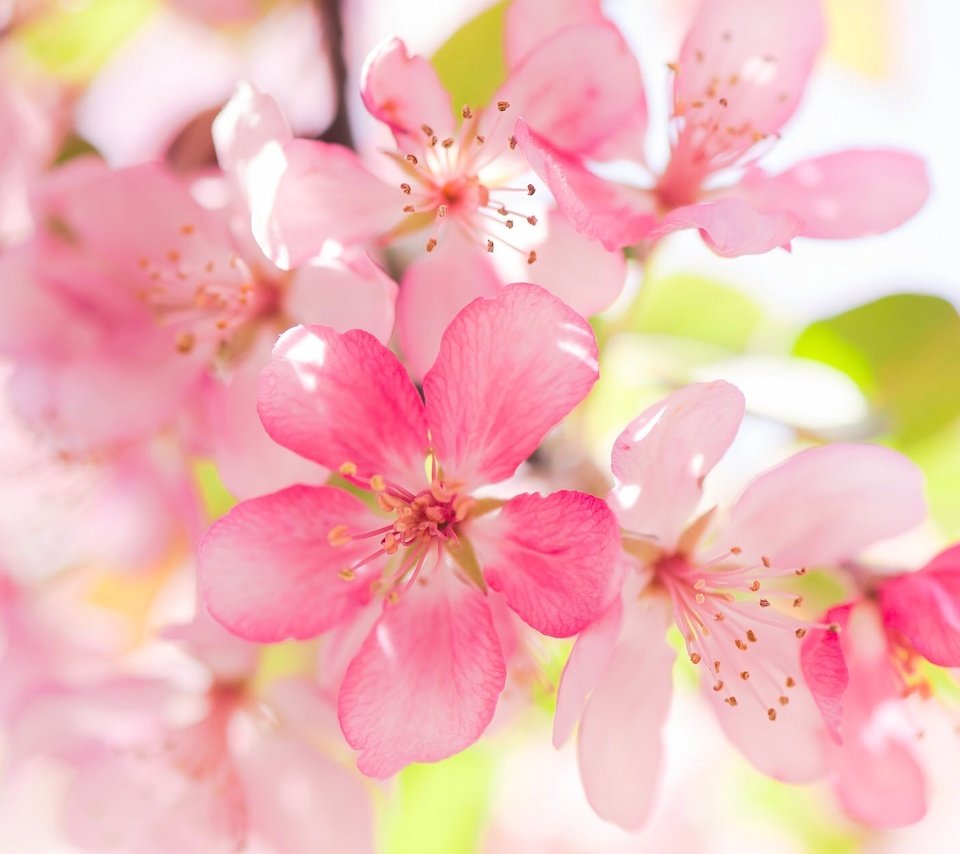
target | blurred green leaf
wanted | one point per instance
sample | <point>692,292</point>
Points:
<point>216,498</point>
<point>939,457</point>
<point>471,64</point>
<point>75,39</point>
<point>439,808</point>
<point>688,306</point>
<point>904,352</point>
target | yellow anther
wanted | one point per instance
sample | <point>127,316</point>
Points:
<point>348,469</point>
<point>377,483</point>
<point>347,574</point>
<point>338,536</point>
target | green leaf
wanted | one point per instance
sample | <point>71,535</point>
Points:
<point>439,808</point>
<point>215,497</point>
<point>904,352</point>
<point>74,40</point>
<point>471,64</point>
<point>689,306</point>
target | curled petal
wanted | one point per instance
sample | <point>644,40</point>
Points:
<point>825,670</point>
<point>732,226</point>
<point>509,369</point>
<point>554,559</point>
<point>425,683</point>
<point>344,398</point>
<point>268,571</point>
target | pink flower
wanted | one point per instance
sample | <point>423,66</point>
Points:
<point>740,75</point>
<point>414,577</point>
<point>861,674</point>
<point>455,179</point>
<point>127,319</point>
<point>718,578</point>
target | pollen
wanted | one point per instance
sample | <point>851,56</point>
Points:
<point>772,714</point>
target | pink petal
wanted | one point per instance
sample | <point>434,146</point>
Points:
<point>747,62</point>
<point>435,288</point>
<point>426,680</point>
<point>217,11</point>
<point>732,226</point>
<point>579,271</point>
<point>661,459</point>
<point>300,801</point>
<point>877,776</point>
<point>323,192</point>
<point>826,504</point>
<point>248,461</point>
<point>509,369</point>
<point>404,92</point>
<point>350,292</point>
<point>584,668</point>
<point>336,398</point>
<point>620,746</point>
<point>847,194</point>
<point>790,746</point>
<point>554,559</point>
<point>924,607</point>
<point>825,670</point>
<point>580,88</point>
<point>529,23</point>
<point>617,216</point>
<point>268,572</point>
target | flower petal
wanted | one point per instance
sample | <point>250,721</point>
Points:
<point>580,88</point>
<point>529,23</point>
<point>746,63</point>
<point>584,668</point>
<point>404,92</point>
<point>435,288</point>
<point>268,571</point>
<point>509,369</point>
<point>924,606</point>
<point>826,504</point>
<point>554,559</point>
<point>602,210</point>
<point>847,194</point>
<point>337,398</point>
<point>732,226</point>
<point>314,192</point>
<point>425,683</point>
<point>662,457</point>
<point>825,671</point>
<point>877,776</point>
<point>620,746</point>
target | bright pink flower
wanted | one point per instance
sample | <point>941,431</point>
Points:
<point>718,576</point>
<point>127,318</point>
<point>740,75</point>
<point>424,683</point>
<point>862,671</point>
<point>454,178</point>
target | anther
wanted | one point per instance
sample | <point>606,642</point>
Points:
<point>718,617</point>
<point>672,66</point>
<point>700,598</point>
<point>695,657</point>
<point>531,189</point>
<point>755,586</point>
<point>723,102</point>
<point>185,342</point>
<point>466,112</point>
<point>447,142</point>
<point>735,550</point>
<point>730,701</point>
<point>790,683</point>
<point>338,535</point>
<point>412,159</point>
<point>348,469</point>
<point>377,483</point>
<point>764,603</point>
<point>187,229</point>
<point>489,246</point>
<point>173,256</point>
<point>509,223</point>
<point>740,644</point>
<point>427,130</point>
<point>772,714</point>
<point>531,257</point>
<point>503,106</point>
<point>512,141</point>
<point>765,561</point>
<point>347,574</point>
<point>801,633</point>
<point>719,685</point>
<point>532,220</point>
<point>406,188</point>
<point>744,675</point>
<point>783,700</point>
<point>801,571</point>
<point>408,208</point>
<point>442,210</point>
<point>716,666</point>
<point>751,636</point>
<point>481,139</point>
<point>798,602</point>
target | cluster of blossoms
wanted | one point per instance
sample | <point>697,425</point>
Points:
<point>370,346</point>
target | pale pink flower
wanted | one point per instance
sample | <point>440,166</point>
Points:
<point>414,578</point>
<point>127,318</point>
<point>456,179</point>
<point>716,577</point>
<point>861,674</point>
<point>740,75</point>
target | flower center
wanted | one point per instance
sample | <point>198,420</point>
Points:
<point>420,521</point>
<point>451,183</point>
